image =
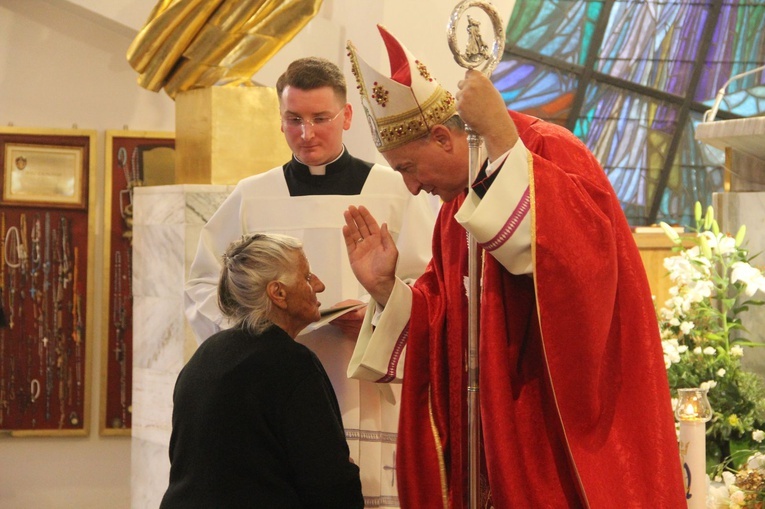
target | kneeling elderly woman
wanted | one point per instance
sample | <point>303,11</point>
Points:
<point>255,420</point>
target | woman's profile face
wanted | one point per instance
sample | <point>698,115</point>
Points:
<point>302,304</point>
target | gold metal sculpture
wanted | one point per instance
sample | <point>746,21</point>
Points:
<point>189,44</point>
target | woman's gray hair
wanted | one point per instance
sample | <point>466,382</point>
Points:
<point>248,266</point>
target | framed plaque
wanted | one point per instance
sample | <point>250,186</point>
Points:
<point>43,170</point>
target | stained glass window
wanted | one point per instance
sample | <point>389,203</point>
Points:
<point>632,80</point>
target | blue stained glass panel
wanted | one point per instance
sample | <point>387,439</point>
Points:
<point>536,89</point>
<point>629,135</point>
<point>652,43</point>
<point>738,46</point>
<point>697,173</point>
<point>651,46</point>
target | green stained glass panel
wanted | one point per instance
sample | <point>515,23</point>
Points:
<point>561,28</point>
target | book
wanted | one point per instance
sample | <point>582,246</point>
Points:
<point>329,314</point>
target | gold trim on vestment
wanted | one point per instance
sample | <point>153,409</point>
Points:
<point>439,453</point>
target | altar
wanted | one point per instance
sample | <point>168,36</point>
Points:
<point>743,141</point>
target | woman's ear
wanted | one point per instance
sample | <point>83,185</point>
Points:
<point>277,293</point>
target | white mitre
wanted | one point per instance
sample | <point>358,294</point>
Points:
<point>405,106</point>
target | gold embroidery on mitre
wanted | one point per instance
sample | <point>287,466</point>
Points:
<point>398,130</point>
<point>355,70</point>
<point>423,70</point>
<point>380,95</point>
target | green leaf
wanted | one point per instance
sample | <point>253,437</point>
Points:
<point>748,343</point>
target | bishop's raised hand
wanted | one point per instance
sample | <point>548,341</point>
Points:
<point>371,251</point>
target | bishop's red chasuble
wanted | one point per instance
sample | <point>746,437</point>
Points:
<point>575,405</point>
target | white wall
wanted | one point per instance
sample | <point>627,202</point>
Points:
<point>62,64</point>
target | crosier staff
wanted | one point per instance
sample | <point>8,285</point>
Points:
<point>476,54</point>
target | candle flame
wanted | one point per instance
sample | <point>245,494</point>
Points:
<point>691,411</point>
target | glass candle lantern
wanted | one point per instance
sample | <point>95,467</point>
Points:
<point>693,411</point>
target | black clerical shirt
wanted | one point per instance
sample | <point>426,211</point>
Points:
<point>346,175</point>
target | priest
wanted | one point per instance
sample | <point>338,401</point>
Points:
<point>574,399</point>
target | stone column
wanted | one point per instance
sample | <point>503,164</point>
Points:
<point>732,210</point>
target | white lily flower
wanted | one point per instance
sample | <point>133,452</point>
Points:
<point>671,354</point>
<point>666,314</point>
<point>711,239</point>
<point>721,372</point>
<point>726,245</point>
<point>709,351</point>
<point>750,276</point>
<point>699,291</point>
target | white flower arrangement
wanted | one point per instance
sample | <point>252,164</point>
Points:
<point>744,489</point>
<point>703,337</point>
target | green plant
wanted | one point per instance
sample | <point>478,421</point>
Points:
<point>703,335</point>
